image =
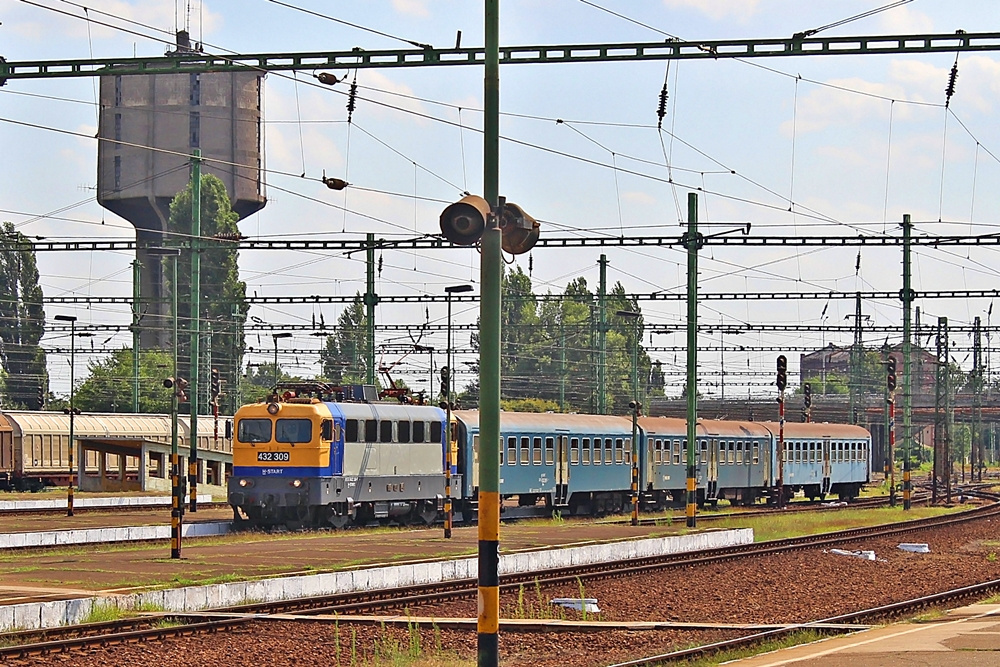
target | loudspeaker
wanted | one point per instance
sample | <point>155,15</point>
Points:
<point>520,230</point>
<point>464,222</point>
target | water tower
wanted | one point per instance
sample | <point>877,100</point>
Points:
<point>148,126</point>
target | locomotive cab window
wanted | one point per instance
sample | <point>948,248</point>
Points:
<point>326,430</point>
<point>253,430</point>
<point>293,430</point>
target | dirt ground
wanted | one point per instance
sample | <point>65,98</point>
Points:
<point>111,569</point>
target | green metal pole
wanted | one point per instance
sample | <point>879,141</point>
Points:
<point>72,413</point>
<point>491,274</point>
<point>907,297</point>
<point>136,295</point>
<point>693,240</point>
<point>636,407</point>
<point>562,363</point>
<point>602,338</point>
<point>195,323</point>
<point>371,298</point>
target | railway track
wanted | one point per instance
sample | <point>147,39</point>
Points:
<point>152,627</point>
<point>117,509</point>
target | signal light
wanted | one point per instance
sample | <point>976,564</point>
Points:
<point>445,377</point>
<point>464,222</point>
<point>890,377</point>
<point>41,397</point>
<point>179,385</point>
<point>216,383</point>
<point>807,394</point>
<point>782,380</point>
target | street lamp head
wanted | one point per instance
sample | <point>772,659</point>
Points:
<point>458,289</point>
<point>65,318</point>
<point>629,313</point>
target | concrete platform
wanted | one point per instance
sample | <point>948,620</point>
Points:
<point>103,501</point>
<point>965,637</point>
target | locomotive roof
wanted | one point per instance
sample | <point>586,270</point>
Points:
<point>393,411</point>
<point>705,427</point>
<point>551,421</point>
<point>819,430</point>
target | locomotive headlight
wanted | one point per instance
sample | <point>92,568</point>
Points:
<point>297,483</point>
<point>246,482</point>
<point>272,408</point>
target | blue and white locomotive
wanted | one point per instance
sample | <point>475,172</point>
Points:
<point>307,457</point>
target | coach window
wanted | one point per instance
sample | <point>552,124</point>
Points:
<point>511,450</point>
<point>525,450</point>
<point>609,451</point>
<point>403,431</point>
<point>536,451</point>
<point>598,448</point>
<point>574,451</point>
<point>385,430</point>
<point>732,452</point>
<point>586,451</point>
<point>756,453</point>
<point>619,450</point>
<point>739,452</point>
<point>550,448</point>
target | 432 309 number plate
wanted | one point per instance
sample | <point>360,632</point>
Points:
<point>270,457</point>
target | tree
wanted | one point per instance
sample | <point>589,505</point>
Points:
<point>223,295</point>
<point>109,386</point>
<point>344,355</point>
<point>22,320</point>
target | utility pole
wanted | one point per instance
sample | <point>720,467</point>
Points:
<point>907,296</point>
<point>942,438</point>
<point>857,356</point>
<point>195,324</point>
<point>136,282</point>
<point>562,362</point>
<point>371,299</point>
<point>602,337</point>
<point>978,451</point>
<point>694,241</point>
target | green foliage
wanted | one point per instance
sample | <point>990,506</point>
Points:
<point>549,349</point>
<point>109,386</point>
<point>223,295</point>
<point>529,405</point>
<point>259,381</point>
<point>22,320</point>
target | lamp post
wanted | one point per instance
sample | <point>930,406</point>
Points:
<point>72,408</point>
<point>448,384</point>
<point>276,337</point>
<point>176,494</point>
<point>635,407</point>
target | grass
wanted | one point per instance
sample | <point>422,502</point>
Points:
<point>102,613</point>
<point>794,639</point>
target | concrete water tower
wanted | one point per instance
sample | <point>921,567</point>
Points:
<point>158,120</point>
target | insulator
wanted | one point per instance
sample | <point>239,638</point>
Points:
<point>335,183</point>
<point>352,100</point>
<point>950,90</point>
<point>327,78</point>
<point>380,265</point>
<point>661,110</point>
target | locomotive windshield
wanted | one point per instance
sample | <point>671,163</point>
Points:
<point>293,430</point>
<point>254,430</point>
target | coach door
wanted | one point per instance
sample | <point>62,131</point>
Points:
<point>713,468</point>
<point>562,468</point>
<point>826,465</point>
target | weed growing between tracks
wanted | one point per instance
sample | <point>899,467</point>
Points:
<point>797,638</point>
<point>102,613</point>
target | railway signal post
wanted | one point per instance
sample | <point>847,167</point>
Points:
<point>781,382</point>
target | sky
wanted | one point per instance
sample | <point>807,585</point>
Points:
<point>830,145</point>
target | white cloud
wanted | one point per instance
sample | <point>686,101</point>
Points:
<point>411,7</point>
<point>905,21</point>
<point>740,10</point>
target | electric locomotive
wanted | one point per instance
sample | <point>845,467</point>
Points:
<point>316,454</point>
